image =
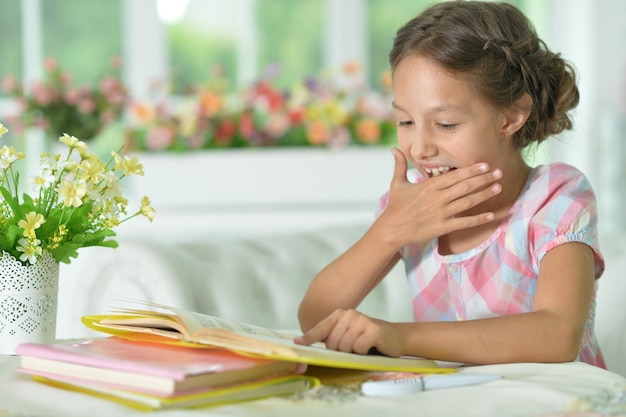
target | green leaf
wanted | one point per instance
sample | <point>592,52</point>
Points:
<point>11,236</point>
<point>28,204</point>
<point>65,252</point>
<point>12,201</point>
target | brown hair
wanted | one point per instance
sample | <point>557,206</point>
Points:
<point>498,49</point>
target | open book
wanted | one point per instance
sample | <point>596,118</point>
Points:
<point>159,322</point>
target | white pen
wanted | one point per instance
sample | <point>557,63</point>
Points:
<point>423,383</point>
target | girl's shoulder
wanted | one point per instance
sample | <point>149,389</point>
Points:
<point>557,169</point>
<point>557,194</point>
<point>556,179</point>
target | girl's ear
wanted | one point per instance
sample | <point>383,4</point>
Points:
<point>516,115</point>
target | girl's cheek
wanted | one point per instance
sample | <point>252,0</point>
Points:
<point>403,142</point>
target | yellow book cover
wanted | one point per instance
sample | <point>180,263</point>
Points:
<point>159,322</point>
<point>145,402</point>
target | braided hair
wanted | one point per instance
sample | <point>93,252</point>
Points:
<point>495,47</point>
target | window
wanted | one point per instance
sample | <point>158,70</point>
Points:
<point>241,39</point>
<point>200,40</point>
<point>290,35</point>
<point>10,33</point>
<point>83,36</point>
<point>382,23</point>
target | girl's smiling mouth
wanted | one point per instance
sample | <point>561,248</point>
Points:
<point>434,171</point>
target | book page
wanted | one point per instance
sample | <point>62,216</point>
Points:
<point>194,322</point>
<point>275,344</point>
<point>201,321</point>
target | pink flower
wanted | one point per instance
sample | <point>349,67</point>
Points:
<point>9,84</point>
<point>72,96</point>
<point>246,126</point>
<point>340,138</point>
<point>160,138</point>
<point>196,141</point>
<point>86,105</point>
<point>43,95</point>
<point>65,78</point>
<point>50,64</point>
<point>277,125</point>
<point>107,117</point>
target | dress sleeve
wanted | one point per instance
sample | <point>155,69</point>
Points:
<point>568,214</point>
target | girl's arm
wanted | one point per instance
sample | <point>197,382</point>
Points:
<point>345,282</point>
<point>552,332</point>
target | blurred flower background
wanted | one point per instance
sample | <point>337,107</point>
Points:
<point>332,109</point>
<point>58,105</point>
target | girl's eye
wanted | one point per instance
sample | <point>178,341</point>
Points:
<point>446,126</point>
<point>404,123</point>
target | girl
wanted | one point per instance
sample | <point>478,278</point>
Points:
<point>501,257</point>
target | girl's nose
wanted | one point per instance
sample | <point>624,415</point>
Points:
<point>421,147</point>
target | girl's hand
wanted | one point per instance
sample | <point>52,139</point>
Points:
<point>418,213</point>
<point>351,331</point>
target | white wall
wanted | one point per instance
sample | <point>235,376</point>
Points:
<point>592,36</point>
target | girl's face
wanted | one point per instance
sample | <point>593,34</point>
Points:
<point>442,122</point>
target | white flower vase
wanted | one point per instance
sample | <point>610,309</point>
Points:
<point>28,302</point>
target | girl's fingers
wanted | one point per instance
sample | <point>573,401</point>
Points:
<point>400,166</point>
<point>319,333</point>
<point>467,222</point>
<point>468,201</point>
<point>460,175</point>
<point>470,185</point>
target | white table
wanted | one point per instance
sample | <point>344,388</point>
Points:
<point>539,390</point>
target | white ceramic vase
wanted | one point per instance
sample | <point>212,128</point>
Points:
<point>28,301</point>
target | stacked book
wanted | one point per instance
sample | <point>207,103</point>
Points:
<point>161,357</point>
<point>151,376</point>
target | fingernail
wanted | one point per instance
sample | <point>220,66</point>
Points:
<point>483,167</point>
<point>497,173</point>
<point>496,188</point>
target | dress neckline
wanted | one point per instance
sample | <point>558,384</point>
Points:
<point>462,256</point>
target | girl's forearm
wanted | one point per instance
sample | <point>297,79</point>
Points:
<point>346,281</point>
<point>539,336</point>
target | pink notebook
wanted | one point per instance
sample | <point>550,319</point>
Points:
<point>153,367</point>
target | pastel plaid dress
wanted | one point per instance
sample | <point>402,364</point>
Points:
<point>499,276</point>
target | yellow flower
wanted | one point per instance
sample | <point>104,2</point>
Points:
<point>30,248</point>
<point>128,166</point>
<point>8,155</point>
<point>146,209</point>
<point>57,237</point>
<point>93,170</point>
<point>71,193</point>
<point>3,130</point>
<point>63,183</point>
<point>121,200</point>
<point>33,221</point>
<point>74,143</point>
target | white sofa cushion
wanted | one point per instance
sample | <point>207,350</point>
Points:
<point>260,280</point>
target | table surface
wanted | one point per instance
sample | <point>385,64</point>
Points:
<point>527,389</point>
